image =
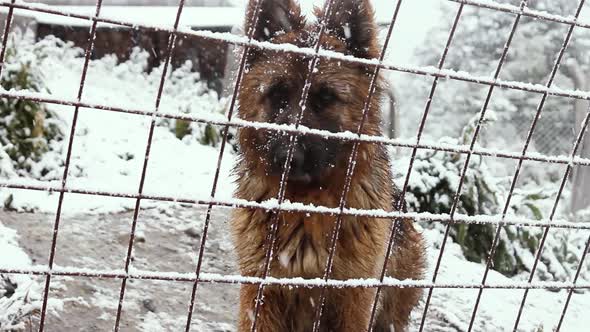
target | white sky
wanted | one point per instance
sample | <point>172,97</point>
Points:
<point>414,21</point>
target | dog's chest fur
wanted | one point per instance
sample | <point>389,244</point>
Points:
<point>304,239</point>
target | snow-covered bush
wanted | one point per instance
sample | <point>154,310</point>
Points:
<point>18,303</point>
<point>184,92</point>
<point>27,128</point>
<point>476,48</point>
<point>432,188</point>
<point>188,94</point>
<point>433,184</point>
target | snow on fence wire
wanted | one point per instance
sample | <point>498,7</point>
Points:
<point>279,204</point>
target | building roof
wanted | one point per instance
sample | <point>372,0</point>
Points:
<point>197,17</point>
<point>199,3</point>
<point>194,17</point>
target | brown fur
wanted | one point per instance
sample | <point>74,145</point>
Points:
<point>303,239</point>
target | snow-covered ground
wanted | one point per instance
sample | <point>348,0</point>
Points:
<point>168,240</point>
<point>108,154</point>
<point>20,294</point>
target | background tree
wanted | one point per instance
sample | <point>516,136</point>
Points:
<point>477,48</point>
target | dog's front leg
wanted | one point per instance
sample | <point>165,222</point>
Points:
<point>348,310</point>
<point>271,316</point>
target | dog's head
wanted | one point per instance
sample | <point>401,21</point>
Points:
<point>273,83</point>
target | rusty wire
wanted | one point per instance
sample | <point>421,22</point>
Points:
<point>568,168</point>
<point>170,51</point>
<point>243,60</point>
<point>519,167</point>
<point>577,275</point>
<point>87,55</point>
<point>395,225</point>
<point>274,220</point>
<point>463,173</point>
<point>349,172</point>
<point>294,131</point>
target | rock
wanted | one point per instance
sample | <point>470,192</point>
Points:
<point>149,305</point>
<point>193,232</point>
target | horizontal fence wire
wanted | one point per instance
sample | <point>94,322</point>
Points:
<point>272,205</point>
<point>275,206</point>
<point>288,48</point>
<point>219,120</point>
<point>295,282</point>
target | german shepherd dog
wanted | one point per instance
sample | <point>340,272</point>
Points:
<point>270,92</point>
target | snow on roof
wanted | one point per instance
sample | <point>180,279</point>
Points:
<point>194,17</point>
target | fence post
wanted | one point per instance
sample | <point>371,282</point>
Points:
<point>581,174</point>
<point>580,178</point>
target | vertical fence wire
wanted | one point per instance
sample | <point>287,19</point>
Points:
<point>350,170</point>
<point>399,205</point>
<point>553,211</point>
<point>274,229</point>
<point>64,178</point>
<point>7,24</point>
<point>575,281</point>
<point>520,163</point>
<point>568,167</point>
<point>463,173</point>
<point>128,258</point>
<point>253,22</point>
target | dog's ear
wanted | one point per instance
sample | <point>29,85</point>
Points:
<point>275,17</point>
<point>354,22</point>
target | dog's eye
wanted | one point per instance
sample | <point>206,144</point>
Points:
<point>323,98</point>
<point>278,96</point>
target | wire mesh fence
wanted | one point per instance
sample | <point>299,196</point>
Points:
<point>548,154</point>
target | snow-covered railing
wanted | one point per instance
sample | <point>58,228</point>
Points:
<point>294,282</point>
<point>220,120</point>
<point>287,206</point>
<point>295,130</point>
<point>289,48</point>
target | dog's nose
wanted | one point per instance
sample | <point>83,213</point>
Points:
<point>297,169</point>
<point>296,160</point>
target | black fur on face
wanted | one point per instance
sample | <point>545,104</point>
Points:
<point>313,157</point>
